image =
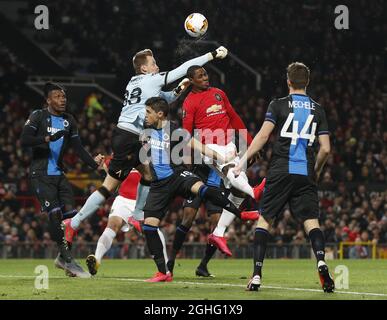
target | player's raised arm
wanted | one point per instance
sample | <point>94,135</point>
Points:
<point>181,71</point>
<point>195,144</point>
<point>203,149</point>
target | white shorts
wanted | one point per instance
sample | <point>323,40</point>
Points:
<point>226,151</point>
<point>123,208</point>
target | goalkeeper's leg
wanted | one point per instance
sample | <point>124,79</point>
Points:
<point>94,201</point>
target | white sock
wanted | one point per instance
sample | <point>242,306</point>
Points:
<point>162,238</point>
<point>227,217</point>
<point>104,243</point>
<point>241,182</point>
<point>91,205</point>
<point>225,220</point>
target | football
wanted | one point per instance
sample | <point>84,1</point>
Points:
<point>196,25</point>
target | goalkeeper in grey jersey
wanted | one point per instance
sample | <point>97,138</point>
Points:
<point>126,144</point>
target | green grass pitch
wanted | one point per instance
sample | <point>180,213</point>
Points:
<point>124,279</point>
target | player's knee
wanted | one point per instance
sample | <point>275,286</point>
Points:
<point>195,189</point>
<point>263,223</point>
<point>311,224</point>
<point>115,223</point>
<point>151,221</point>
<point>145,182</point>
<point>105,192</point>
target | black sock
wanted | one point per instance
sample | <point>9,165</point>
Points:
<point>155,246</point>
<point>69,214</point>
<point>57,233</point>
<point>210,251</point>
<point>260,244</point>
<point>219,198</point>
<point>318,243</point>
<point>181,233</point>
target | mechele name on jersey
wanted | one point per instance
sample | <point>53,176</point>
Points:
<point>302,105</point>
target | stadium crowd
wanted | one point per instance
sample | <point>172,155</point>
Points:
<point>350,87</point>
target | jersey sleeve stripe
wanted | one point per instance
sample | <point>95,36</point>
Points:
<point>322,132</point>
<point>271,120</point>
<point>166,78</point>
<point>33,127</point>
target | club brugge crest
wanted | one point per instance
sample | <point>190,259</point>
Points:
<point>218,97</point>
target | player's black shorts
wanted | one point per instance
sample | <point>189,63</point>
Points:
<point>204,172</point>
<point>297,190</point>
<point>162,192</point>
<point>53,192</point>
<point>126,147</point>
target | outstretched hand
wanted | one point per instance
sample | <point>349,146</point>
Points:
<point>220,53</point>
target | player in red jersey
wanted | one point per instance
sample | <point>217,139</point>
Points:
<point>122,216</point>
<point>208,111</point>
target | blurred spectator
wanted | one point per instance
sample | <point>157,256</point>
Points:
<point>93,104</point>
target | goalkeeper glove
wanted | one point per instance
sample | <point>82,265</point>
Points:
<point>181,86</point>
<point>220,53</point>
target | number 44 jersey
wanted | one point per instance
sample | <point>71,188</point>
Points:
<point>298,120</point>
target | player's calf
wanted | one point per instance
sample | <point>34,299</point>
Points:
<point>93,202</point>
<point>156,245</point>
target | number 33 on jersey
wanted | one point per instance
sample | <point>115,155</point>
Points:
<point>298,120</point>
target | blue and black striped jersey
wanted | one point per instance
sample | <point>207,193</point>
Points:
<point>166,145</point>
<point>47,157</point>
<point>298,120</point>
